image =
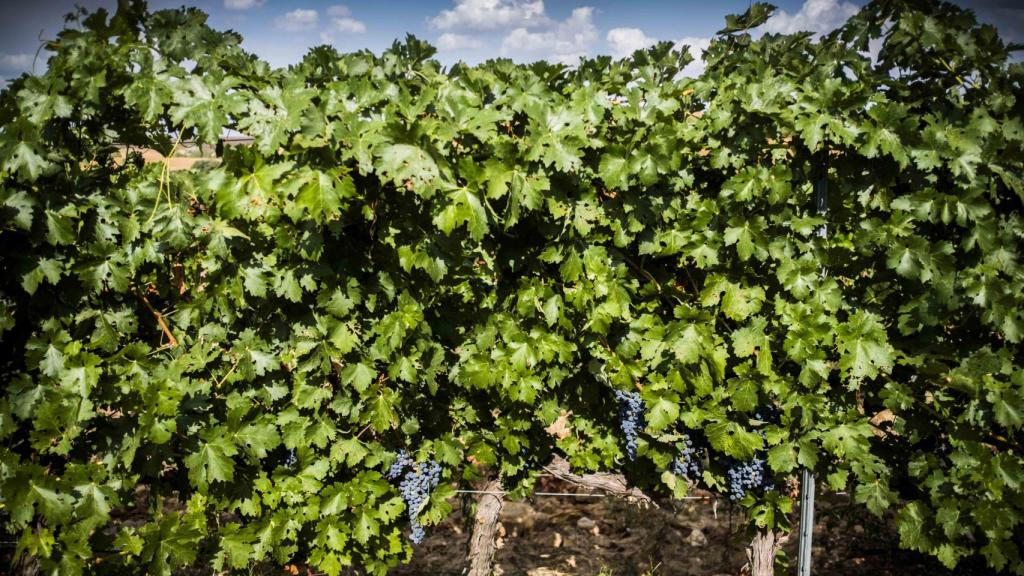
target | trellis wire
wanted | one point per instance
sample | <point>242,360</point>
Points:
<point>572,494</point>
<point>593,495</point>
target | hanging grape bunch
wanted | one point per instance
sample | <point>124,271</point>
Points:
<point>415,482</point>
<point>747,476</point>
<point>401,463</point>
<point>631,419</point>
<point>687,464</point>
<point>753,475</point>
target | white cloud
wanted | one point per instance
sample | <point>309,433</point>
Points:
<point>819,16</point>
<point>298,20</point>
<point>339,11</point>
<point>491,14</point>
<point>451,41</point>
<point>697,47</point>
<point>241,4</point>
<point>16,62</point>
<point>565,42</point>
<point>350,25</point>
<point>341,19</point>
<point>624,41</point>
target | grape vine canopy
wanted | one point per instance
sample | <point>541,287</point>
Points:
<point>440,263</point>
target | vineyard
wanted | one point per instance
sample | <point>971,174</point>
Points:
<point>422,286</point>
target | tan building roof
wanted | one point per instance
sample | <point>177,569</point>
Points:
<point>150,156</point>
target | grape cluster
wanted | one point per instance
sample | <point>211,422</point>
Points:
<point>631,418</point>
<point>290,460</point>
<point>747,476</point>
<point>687,464</point>
<point>753,474</point>
<point>415,481</point>
<point>402,462</point>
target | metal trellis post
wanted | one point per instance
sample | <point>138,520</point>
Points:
<point>807,477</point>
<point>806,521</point>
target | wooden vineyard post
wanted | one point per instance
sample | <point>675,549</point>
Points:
<point>485,524</point>
<point>762,550</point>
<point>482,542</point>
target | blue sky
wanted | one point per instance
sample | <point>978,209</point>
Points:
<point>281,31</point>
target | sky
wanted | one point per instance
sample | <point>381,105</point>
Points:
<point>281,31</point>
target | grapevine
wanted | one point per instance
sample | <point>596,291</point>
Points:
<point>448,258</point>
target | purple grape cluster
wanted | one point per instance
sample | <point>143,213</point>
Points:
<point>631,418</point>
<point>290,460</point>
<point>687,464</point>
<point>401,463</point>
<point>751,475</point>
<point>415,482</point>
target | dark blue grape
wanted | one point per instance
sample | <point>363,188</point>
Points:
<point>415,482</point>
<point>753,475</point>
<point>747,476</point>
<point>402,462</point>
<point>687,464</point>
<point>631,418</point>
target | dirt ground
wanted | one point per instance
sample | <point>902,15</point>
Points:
<point>554,536</point>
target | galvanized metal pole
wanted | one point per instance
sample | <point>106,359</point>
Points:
<point>821,195</point>
<point>806,522</point>
<point>807,477</point>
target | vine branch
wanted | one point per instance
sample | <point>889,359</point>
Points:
<point>613,484</point>
<point>172,341</point>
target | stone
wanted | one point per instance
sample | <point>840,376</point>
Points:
<point>696,538</point>
<point>585,523</point>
